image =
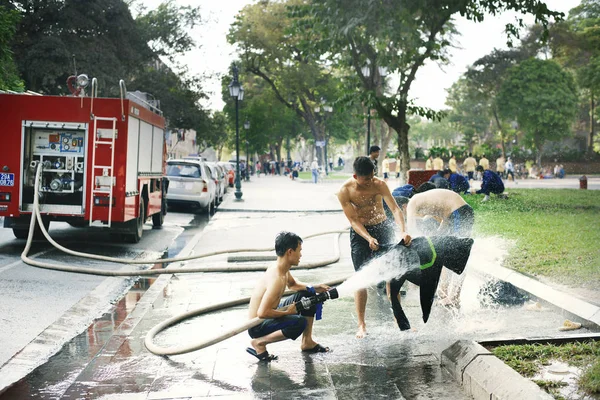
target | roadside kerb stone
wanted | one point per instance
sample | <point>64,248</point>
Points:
<point>484,376</point>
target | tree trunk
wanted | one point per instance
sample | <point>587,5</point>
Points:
<point>590,142</point>
<point>502,139</point>
<point>539,145</point>
<point>398,123</point>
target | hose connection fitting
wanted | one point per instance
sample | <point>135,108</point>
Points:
<point>306,303</point>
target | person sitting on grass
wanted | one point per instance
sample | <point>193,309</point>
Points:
<point>490,183</point>
<point>281,322</point>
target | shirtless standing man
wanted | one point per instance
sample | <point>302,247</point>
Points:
<point>361,199</point>
<point>282,324</point>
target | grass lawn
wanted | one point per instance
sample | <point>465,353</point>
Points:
<point>556,231</point>
<point>527,360</point>
<point>308,176</point>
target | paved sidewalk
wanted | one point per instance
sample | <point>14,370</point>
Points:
<point>387,364</point>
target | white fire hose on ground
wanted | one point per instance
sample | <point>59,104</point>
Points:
<point>172,270</point>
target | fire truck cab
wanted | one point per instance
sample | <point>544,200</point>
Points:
<point>103,161</point>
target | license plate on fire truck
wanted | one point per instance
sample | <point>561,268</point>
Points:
<point>7,179</point>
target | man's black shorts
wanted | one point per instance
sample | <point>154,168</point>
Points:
<point>360,250</point>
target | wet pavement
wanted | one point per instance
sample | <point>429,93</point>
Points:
<point>109,359</point>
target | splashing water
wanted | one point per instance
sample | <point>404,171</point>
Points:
<point>384,268</point>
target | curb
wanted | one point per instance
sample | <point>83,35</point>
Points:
<point>483,376</point>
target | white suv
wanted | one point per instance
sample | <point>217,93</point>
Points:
<point>191,184</point>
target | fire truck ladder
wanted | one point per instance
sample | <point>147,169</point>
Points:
<point>107,170</point>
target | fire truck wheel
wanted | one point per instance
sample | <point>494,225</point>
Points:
<point>137,226</point>
<point>20,233</point>
<point>23,233</point>
<point>158,219</point>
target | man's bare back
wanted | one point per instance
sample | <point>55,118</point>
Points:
<point>438,203</point>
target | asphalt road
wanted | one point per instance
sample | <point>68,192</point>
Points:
<point>33,299</point>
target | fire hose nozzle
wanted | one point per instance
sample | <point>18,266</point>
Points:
<point>307,302</point>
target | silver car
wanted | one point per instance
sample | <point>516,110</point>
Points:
<point>191,184</point>
<point>220,179</point>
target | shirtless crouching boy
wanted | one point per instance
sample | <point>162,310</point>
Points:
<point>361,199</point>
<point>285,323</point>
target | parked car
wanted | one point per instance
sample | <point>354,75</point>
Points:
<point>229,170</point>
<point>191,184</point>
<point>220,179</point>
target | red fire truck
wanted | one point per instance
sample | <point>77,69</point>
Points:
<point>103,161</point>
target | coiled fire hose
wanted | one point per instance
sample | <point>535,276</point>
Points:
<point>172,270</point>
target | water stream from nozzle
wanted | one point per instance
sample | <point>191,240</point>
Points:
<point>384,268</point>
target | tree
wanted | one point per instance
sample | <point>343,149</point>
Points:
<point>179,97</point>
<point>470,111</point>
<point>100,36</point>
<point>270,52</point>
<point>9,77</point>
<point>166,29</point>
<point>271,122</point>
<point>56,38</point>
<point>484,79</point>
<point>398,35</point>
<point>576,45</point>
<point>542,97</point>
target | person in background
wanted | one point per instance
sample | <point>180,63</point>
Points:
<point>440,179</point>
<point>500,162</point>
<point>397,167</point>
<point>452,164</point>
<point>438,163</point>
<point>373,156</point>
<point>484,162</point>
<point>330,164</point>
<point>314,168</point>
<point>385,168</point>
<point>490,183</point>
<point>458,183</point>
<point>469,165</point>
<point>429,163</point>
<point>510,169</point>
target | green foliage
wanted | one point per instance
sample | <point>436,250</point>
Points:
<point>179,101</point>
<point>399,36</point>
<point>166,29</point>
<point>541,222</point>
<point>590,379</point>
<point>470,111</point>
<point>9,76</point>
<point>298,82</point>
<point>543,99</point>
<point>104,41</point>
<point>100,34</point>
<point>527,360</point>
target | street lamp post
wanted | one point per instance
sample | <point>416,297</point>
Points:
<point>247,128</point>
<point>236,91</point>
